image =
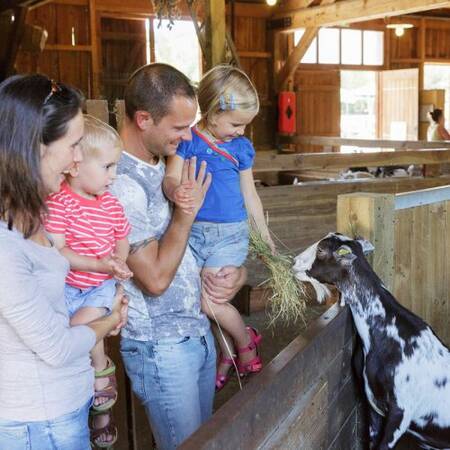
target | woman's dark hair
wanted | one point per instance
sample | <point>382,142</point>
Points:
<point>436,114</point>
<point>152,87</point>
<point>33,111</point>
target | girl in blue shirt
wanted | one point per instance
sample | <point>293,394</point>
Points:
<point>219,238</point>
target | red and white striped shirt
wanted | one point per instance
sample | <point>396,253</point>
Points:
<point>91,228</point>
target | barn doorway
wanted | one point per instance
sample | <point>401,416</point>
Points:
<point>437,76</point>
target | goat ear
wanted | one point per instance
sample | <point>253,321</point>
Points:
<point>367,247</point>
<point>344,255</point>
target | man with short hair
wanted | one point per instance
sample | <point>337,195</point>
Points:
<point>167,345</point>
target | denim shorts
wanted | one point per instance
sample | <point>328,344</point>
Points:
<point>67,432</point>
<point>219,244</point>
<point>101,296</point>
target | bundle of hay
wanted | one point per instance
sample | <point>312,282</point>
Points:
<point>288,299</point>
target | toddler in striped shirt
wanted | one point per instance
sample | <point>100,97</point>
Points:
<point>88,226</point>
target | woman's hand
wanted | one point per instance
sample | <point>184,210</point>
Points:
<point>119,310</point>
<point>114,266</point>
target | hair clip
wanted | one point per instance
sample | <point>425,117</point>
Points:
<point>232,103</point>
<point>222,104</point>
<point>53,89</point>
<point>227,102</point>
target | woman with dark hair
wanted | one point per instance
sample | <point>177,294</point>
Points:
<point>436,130</point>
<point>46,382</point>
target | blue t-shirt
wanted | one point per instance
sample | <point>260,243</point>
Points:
<point>224,202</point>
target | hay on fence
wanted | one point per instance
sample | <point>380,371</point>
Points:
<point>288,299</point>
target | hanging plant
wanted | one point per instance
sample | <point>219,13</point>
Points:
<point>166,9</point>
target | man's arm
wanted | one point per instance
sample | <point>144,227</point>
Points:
<point>154,263</point>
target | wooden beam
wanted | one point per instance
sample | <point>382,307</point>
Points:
<point>367,143</point>
<point>94,38</point>
<point>68,48</point>
<point>253,54</point>
<point>291,5</point>
<point>302,161</point>
<point>215,31</point>
<point>295,57</point>
<point>350,11</point>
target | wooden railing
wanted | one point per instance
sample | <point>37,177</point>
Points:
<point>269,162</point>
<point>304,398</point>
<point>337,142</point>
<point>411,235</point>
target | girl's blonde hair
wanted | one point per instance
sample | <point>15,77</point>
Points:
<point>96,134</point>
<point>226,88</point>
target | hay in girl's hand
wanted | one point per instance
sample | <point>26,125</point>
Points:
<point>288,300</point>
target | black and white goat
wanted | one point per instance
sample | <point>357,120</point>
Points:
<point>406,369</point>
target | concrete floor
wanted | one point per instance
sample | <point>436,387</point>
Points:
<point>275,339</point>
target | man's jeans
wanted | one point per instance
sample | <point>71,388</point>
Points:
<point>67,432</point>
<point>175,380</point>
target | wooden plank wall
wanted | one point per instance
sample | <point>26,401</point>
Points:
<point>60,59</point>
<point>305,398</point>
<point>318,105</point>
<point>421,263</point>
<point>119,35</point>
<point>253,45</point>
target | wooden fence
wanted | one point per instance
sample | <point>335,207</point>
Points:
<point>305,398</point>
<point>411,234</point>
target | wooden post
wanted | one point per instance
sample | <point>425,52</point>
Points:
<point>98,109</point>
<point>215,32</point>
<point>95,60</point>
<point>371,216</point>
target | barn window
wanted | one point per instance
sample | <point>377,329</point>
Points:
<point>344,47</point>
<point>351,45</point>
<point>373,48</point>
<point>329,46</point>
<point>179,47</point>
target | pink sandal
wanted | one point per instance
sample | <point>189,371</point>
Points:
<point>255,364</point>
<point>222,380</point>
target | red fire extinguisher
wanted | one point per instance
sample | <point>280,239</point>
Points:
<point>286,112</point>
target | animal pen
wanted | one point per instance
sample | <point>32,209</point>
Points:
<point>307,396</point>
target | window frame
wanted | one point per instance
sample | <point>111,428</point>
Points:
<point>340,64</point>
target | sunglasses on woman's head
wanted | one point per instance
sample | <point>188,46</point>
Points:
<point>54,88</point>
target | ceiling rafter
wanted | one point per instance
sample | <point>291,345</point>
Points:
<point>351,11</point>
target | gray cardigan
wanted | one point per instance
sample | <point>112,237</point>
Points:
<point>45,369</point>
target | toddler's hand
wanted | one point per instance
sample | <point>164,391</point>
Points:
<point>183,198</point>
<point>120,270</point>
<point>116,267</point>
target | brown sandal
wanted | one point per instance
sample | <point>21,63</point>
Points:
<point>110,391</point>
<point>109,429</point>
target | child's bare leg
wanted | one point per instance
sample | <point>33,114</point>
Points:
<point>99,362</point>
<point>230,321</point>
